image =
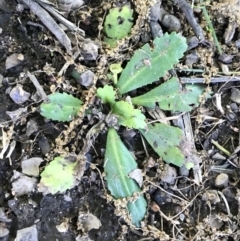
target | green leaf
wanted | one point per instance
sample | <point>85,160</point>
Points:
<point>107,94</point>
<point>111,42</point>
<point>58,176</point>
<point>128,116</point>
<point>62,107</point>
<point>115,69</point>
<point>165,139</point>
<point>149,64</point>
<point>119,162</point>
<point>118,24</point>
<point>170,96</point>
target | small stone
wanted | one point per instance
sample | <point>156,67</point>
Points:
<point>18,95</point>
<point>225,58</point>
<point>3,217</point>
<point>230,31</point>
<point>161,197</point>
<point>31,127</point>
<point>234,107</point>
<point>1,80</point>
<point>156,29</point>
<point>191,58</point>
<point>171,22</point>
<point>155,12</point>
<point>231,116</point>
<point>129,133</point>
<point>211,196</point>
<point>145,37</point>
<point>27,234</point>
<point>44,145</point>
<point>169,174</point>
<point>229,193</point>
<point>31,166</point>
<point>221,180</point>
<point>89,51</point>
<point>3,232</point>
<point>12,61</point>
<point>218,156</point>
<point>224,68</point>
<point>87,78</point>
<point>182,217</point>
<point>184,171</point>
<point>136,174</point>
<point>16,114</point>
<point>235,95</point>
<point>22,184</point>
<point>62,227</point>
<point>215,222</point>
<point>237,44</point>
<point>88,221</point>
<point>192,42</point>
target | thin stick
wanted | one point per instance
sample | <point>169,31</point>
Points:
<point>205,13</point>
<point>167,118</point>
<point>221,148</point>
<point>163,190</point>
<point>144,146</point>
<point>226,203</point>
<point>188,12</point>
<point>38,87</point>
<point>213,80</point>
<point>61,19</point>
<point>49,22</point>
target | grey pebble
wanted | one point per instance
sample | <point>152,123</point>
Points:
<point>19,95</point>
<point>231,116</point>
<point>218,156</point>
<point>87,78</point>
<point>235,95</point>
<point>237,43</point>
<point>44,145</point>
<point>191,58</point>
<point>192,42</point>
<point>234,107</point>
<point>169,174</point>
<point>221,180</point>
<point>27,234</point>
<point>171,23</point>
<point>156,29</point>
<point>184,171</point>
<point>3,232</point>
<point>89,51</point>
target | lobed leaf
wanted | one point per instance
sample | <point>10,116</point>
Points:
<point>165,139</point>
<point>107,94</point>
<point>149,64</point>
<point>62,107</point>
<point>58,176</point>
<point>128,116</point>
<point>170,96</point>
<point>119,162</point>
<point>118,24</point>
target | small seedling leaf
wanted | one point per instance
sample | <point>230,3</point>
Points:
<point>62,107</point>
<point>165,140</point>
<point>118,24</point>
<point>58,176</point>
<point>170,96</point>
<point>115,69</point>
<point>128,116</point>
<point>107,94</point>
<point>149,64</point>
<point>119,162</point>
